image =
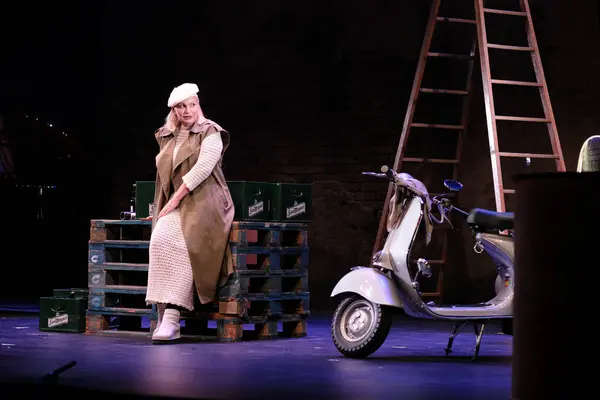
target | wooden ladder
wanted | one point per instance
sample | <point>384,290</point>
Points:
<point>488,82</point>
<point>479,43</point>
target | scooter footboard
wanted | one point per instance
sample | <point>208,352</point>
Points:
<point>371,284</point>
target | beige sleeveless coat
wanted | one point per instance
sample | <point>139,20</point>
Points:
<point>206,212</point>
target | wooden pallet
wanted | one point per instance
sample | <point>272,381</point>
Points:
<point>227,329</point>
<point>127,299</point>
<point>264,246</point>
<point>273,260</point>
<point>273,305</point>
<point>243,233</point>
<point>275,234</point>
<point>243,283</point>
<point>117,274</point>
<point>270,318</point>
<point>102,230</point>
<point>269,288</point>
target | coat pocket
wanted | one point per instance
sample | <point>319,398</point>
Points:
<point>227,201</point>
<point>224,197</point>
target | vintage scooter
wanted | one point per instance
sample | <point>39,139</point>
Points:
<point>362,320</point>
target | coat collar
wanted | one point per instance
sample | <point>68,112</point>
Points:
<point>167,165</point>
<point>196,128</point>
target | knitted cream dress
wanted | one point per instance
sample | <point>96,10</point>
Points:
<point>170,278</point>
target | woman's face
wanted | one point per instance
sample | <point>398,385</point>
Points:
<point>187,111</point>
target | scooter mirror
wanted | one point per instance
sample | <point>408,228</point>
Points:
<point>452,185</point>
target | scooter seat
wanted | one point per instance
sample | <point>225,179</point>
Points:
<point>488,219</point>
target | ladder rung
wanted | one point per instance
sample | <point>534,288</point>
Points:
<point>459,20</point>
<point>521,119</point>
<point>439,126</point>
<point>505,47</point>
<point>509,191</point>
<point>505,12</point>
<point>450,55</point>
<point>527,155</point>
<point>432,294</point>
<point>430,160</point>
<point>515,83</point>
<point>444,91</point>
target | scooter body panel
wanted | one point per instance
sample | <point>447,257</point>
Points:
<point>501,249</point>
<point>371,284</point>
<point>395,256</point>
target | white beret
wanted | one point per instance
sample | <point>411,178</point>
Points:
<point>182,92</point>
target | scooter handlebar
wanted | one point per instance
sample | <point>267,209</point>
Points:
<point>375,174</point>
<point>461,212</point>
<point>392,176</point>
<point>447,206</point>
<point>386,173</point>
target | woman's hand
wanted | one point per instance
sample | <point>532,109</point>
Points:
<point>174,202</point>
<point>170,206</point>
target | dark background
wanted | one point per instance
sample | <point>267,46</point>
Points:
<point>311,91</point>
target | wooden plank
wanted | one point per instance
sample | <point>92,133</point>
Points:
<point>123,244</point>
<point>429,160</point>
<point>528,155</point>
<point>444,91</point>
<point>450,55</point>
<point>504,12</point>
<point>507,47</point>
<point>520,119</point>
<point>229,329</point>
<point>119,266</point>
<point>456,20</point>
<point>437,126</point>
<point>515,83</point>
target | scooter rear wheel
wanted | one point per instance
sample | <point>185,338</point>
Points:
<point>360,327</point>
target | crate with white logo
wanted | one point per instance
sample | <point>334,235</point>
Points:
<point>291,202</point>
<point>251,200</point>
<point>62,314</point>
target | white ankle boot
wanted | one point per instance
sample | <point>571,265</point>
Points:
<point>169,328</point>
<point>160,308</point>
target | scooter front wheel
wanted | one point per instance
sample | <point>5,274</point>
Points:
<point>359,326</point>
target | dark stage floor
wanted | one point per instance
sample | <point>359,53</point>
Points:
<point>410,365</point>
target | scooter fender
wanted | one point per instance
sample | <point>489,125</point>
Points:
<point>371,284</point>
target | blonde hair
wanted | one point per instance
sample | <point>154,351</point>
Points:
<point>171,121</point>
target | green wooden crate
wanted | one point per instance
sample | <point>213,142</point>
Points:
<point>251,200</point>
<point>62,314</point>
<point>291,202</point>
<point>71,292</point>
<point>144,198</point>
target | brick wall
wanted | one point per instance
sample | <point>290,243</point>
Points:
<point>343,114</point>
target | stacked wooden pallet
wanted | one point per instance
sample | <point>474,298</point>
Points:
<point>269,288</point>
